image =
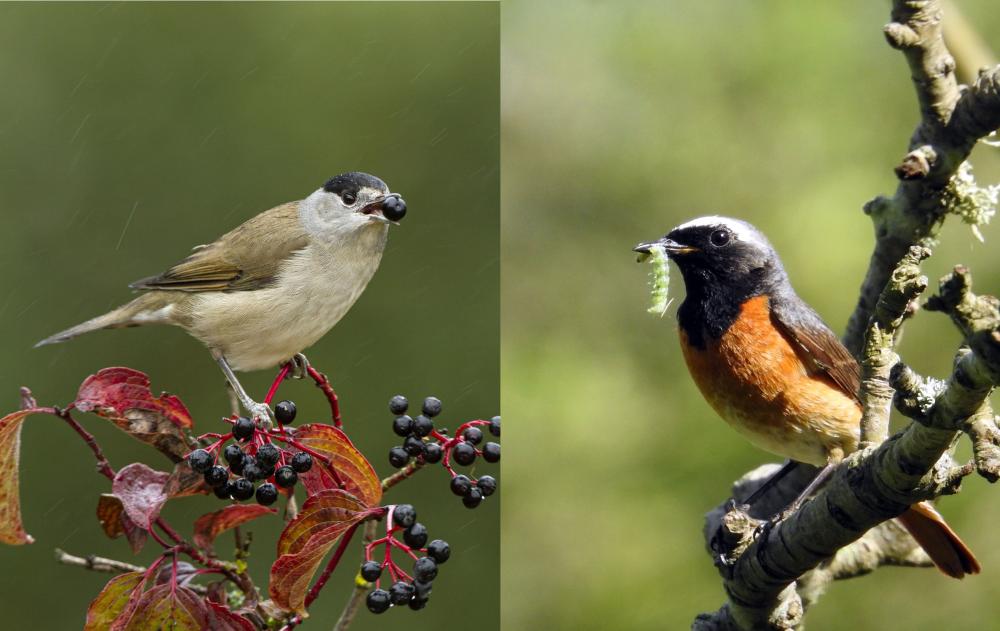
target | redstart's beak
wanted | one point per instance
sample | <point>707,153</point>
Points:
<point>671,247</point>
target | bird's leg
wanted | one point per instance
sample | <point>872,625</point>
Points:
<point>768,484</point>
<point>821,478</point>
<point>300,366</point>
<point>234,403</point>
<point>256,410</point>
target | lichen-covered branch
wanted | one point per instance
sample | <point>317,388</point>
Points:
<point>978,317</point>
<point>951,123</point>
<point>879,357</point>
<point>772,572</point>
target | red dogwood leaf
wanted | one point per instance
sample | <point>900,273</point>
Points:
<point>208,526</point>
<point>115,522</point>
<point>185,481</point>
<point>122,396</point>
<point>350,464</point>
<point>109,514</point>
<point>222,619</point>
<point>11,528</point>
<point>110,603</point>
<point>141,491</point>
<point>324,517</point>
<point>165,607</point>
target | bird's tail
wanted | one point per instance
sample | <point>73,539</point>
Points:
<point>151,308</point>
<point>939,541</point>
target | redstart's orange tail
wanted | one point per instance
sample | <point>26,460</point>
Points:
<point>939,541</point>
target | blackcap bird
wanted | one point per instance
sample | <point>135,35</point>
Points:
<point>262,293</point>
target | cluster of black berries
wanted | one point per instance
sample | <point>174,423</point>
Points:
<point>414,431</point>
<point>414,594</point>
<point>473,490</point>
<point>265,464</point>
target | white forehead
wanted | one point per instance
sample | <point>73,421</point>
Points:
<point>740,229</point>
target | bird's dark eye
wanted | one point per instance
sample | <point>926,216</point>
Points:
<point>349,198</point>
<point>719,238</point>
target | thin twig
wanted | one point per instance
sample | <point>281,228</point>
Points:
<point>240,579</point>
<point>103,466</point>
<point>111,566</point>
<point>402,474</point>
<point>360,588</point>
<point>96,563</point>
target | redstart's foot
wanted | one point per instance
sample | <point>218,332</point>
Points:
<point>731,506</point>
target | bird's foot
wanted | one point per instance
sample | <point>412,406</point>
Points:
<point>765,527</point>
<point>260,413</point>
<point>731,506</point>
<point>300,366</point>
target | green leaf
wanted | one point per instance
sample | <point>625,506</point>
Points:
<point>110,603</point>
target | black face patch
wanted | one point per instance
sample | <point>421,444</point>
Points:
<point>351,183</point>
<point>720,275</point>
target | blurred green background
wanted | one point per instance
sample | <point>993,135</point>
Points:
<point>132,132</point>
<point>620,121</point>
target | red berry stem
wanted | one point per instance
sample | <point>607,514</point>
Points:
<point>173,573</point>
<point>156,537</point>
<point>273,390</point>
<point>324,384</point>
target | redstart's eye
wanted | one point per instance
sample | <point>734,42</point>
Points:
<point>719,238</point>
<point>349,198</point>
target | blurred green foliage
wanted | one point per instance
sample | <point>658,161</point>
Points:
<point>132,132</point>
<point>622,120</point>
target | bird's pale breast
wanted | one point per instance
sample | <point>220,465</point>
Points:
<point>754,379</point>
<point>262,328</point>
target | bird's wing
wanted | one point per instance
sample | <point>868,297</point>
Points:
<point>819,348</point>
<point>248,257</point>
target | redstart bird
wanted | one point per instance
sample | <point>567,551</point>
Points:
<point>769,366</point>
<point>263,292</point>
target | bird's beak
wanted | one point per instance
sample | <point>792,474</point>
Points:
<point>671,247</point>
<point>374,211</point>
<point>391,204</point>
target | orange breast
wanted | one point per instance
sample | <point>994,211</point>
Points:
<point>753,378</point>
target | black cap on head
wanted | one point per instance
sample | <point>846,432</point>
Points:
<point>353,182</point>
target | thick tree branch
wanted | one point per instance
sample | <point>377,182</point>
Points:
<point>827,536</point>
<point>771,574</point>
